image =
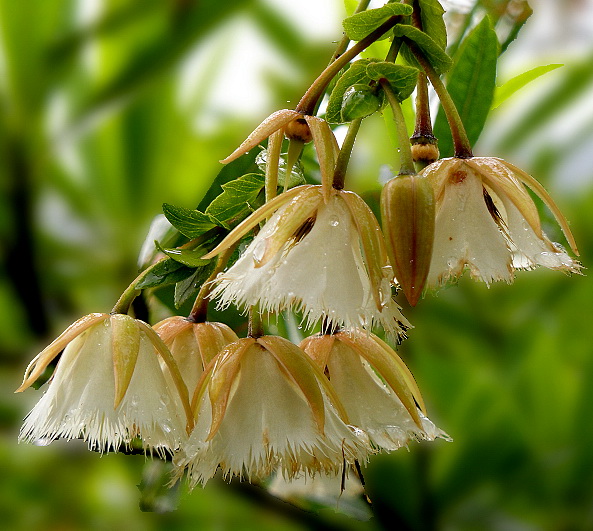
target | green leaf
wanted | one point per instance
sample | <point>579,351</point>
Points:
<point>502,93</point>
<point>359,101</point>
<point>166,272</point>
<point>433,52</point>
<point>356,74</point>
<point>471,85</point>
<point>401,78</point>
<point>433,24</point>
<point>229,172</point>
<point>191,223</point>
<point>187,257</point>
<point>358,26</point>
<point>237,200</point>
<point>190,286</point>
<point>296,176</point>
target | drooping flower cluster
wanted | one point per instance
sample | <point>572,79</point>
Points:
<point>260,404</point>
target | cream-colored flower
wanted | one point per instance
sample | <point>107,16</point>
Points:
<point>487,222</point>
<point>377,390</point>
<point>324,258</point>
<point>108,388</point>
<point>193,345</point>
<point>261,406</point>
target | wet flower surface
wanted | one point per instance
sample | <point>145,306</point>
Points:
<point>487,222</point>
<point>83,400</point>
<point>263,406</point>
<point>377,390</point>
<point>327,264</point>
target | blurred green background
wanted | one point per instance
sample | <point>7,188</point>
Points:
<point>108,108</point>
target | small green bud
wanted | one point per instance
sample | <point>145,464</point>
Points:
<point>359,101</point>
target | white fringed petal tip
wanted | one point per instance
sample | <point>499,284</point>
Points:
<point>262,406</point>
<point>79,401</point>
<point>487,222</point>
<point>378,392</point>
<point>315,264</point>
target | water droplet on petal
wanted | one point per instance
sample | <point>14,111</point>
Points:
<point>334,221</point>
<point>164,399</point>
<point>166,428</point>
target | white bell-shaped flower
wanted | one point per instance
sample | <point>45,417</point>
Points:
<point>326,259</point>
<point>108,388</point>
<point>487,222</point>
<point>262,406</point>
<point>377,390</point>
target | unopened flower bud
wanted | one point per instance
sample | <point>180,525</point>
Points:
<point>425,149</point>
<point>359,101</point>
<point>299,130</point>
<point>407,207</point>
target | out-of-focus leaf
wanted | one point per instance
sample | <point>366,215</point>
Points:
<point>471,85</point>
<point>433,52</point>
<point>191,223</point>
<point>358,26</point>
<point>190,21</point>
<point>166,272</point>
<point>433,24</point>
<point>67,45</point>
<point>237,199</point>
<point>356,74</point>
<point>576,81</point>
<point>520,17</point>
<point>504,92</point>
<point>401,78</point>
<point>280,32</point>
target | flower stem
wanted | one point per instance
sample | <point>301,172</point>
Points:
<point>200,308</point>
<point>255,327</point>
<point>423,122</point>
<point>405,151</point>
<point>344,155</point>
<point>316,90</point>
<point>462,146</point>
<point>295,148</point>
<point>273,163</point>
<point>343,44</point>
<point>131,292</point>
<point>393,50</point>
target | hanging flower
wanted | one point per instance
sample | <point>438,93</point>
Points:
<point>486,221</point>
<point>309,257</point>
<point>377,390</point>
<point>193,345</point>
<point>261,406</point>
<point>108,388</point>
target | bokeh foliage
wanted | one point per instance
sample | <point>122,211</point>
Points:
<point>93,139</point>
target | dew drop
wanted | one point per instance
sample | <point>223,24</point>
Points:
<point>164,399</point>
<point>334,221</point>
<point>134,401</point>
<point>166,428</point>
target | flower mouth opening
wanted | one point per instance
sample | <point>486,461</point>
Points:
<point>302,231</point>
<point>495,212</point>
